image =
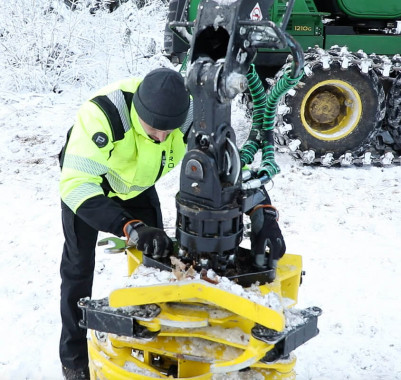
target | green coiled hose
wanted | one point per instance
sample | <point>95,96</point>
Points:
<point>261,135</point>
<point>259,99</point>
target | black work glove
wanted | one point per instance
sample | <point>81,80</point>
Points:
<point>150,240</point>
<point>265,232</point>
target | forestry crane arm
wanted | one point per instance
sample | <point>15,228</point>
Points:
<point>214,194</point>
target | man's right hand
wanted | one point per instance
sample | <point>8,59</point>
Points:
<point>150,240</point>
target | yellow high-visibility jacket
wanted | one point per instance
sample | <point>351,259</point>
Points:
<point>108,154</point>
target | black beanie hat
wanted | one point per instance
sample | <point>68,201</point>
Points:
<point>162,100</point>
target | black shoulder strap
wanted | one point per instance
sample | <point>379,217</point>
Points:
<point>112,114</point>
<point>117,107</point>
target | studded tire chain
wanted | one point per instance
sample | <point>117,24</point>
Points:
<point>383,145</point>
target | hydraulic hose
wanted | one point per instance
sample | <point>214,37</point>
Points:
<point>285,83</point>
<point>287,14</point>
<point>261,135</point>
<point>258,94</point>
<point>298,57</point>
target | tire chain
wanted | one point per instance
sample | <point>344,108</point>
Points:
<point>385,67</point>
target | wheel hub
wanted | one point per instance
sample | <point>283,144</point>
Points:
<point>331,110</point>
<point>324,107</point>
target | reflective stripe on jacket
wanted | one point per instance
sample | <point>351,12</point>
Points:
<point>109,153</point>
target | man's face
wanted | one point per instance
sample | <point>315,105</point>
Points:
<point>155,134</point>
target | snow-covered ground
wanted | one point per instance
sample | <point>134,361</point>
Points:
<point>345,222</point>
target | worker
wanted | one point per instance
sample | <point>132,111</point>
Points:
<point>124,139</point>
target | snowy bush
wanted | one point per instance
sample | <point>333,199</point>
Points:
<point>45,46</point>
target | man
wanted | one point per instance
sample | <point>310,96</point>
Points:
<point>116,151</point>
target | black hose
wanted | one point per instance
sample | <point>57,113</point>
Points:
<point>298,56</point>
<point>287,15</point>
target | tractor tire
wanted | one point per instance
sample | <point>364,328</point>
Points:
<point>335,110</point>
<point>394,113</point>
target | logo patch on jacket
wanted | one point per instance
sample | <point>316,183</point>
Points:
<point>100,139</point>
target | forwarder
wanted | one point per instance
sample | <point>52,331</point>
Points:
<point>347,108</point>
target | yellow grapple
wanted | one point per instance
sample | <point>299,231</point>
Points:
<point>194,329</point>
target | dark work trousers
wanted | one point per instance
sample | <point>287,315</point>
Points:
<point>77,267</point>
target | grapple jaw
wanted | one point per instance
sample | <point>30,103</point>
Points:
<point>194,329</point>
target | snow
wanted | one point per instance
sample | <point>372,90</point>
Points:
<point>345,222</point>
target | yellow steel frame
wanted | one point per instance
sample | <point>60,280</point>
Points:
<point>203,330</point>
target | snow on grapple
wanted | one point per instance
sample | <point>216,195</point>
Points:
<point>209,312</point>
<point>195,328</point>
